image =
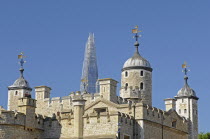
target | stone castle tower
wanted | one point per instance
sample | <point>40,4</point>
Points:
<point>19,89</point>
<point>136,78</point>
<point>103,114</point>
<point>186,106</point>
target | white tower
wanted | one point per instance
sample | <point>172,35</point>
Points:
<point>19,89</point>
<point>186,106</point>
<point>136,77</point>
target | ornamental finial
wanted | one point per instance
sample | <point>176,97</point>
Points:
<point>136,31</point>
<point>21,62</point>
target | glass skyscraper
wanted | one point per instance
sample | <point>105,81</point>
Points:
<point>90,70</point>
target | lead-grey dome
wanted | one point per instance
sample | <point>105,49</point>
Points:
<point>186,91</point>
<point>20,83</point>
<point>136,60</point>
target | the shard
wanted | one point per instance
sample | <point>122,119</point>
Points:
<point>90,70</point>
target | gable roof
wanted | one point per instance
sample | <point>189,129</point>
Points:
<point>101,100</point>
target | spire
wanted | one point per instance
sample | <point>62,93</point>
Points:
<point>136,31</point>
<point>90,69</point>
<point>21,62</point>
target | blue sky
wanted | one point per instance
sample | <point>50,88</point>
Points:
<point>52,34</point>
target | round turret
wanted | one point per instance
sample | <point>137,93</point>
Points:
<point>136,78</point>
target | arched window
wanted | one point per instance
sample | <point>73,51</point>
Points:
<point>185,110</point>
<point>142,73</point>
<point>126,74</point>
<point>141,85</point>
<point>16,92</point>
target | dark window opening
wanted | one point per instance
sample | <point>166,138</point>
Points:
<point>142,86</point>
<point>142,73</point>
<point>126,137</point>
<point>174,124</point>
<point>126,86</point>
<point>185,110</point>
<point>179,111</point>
<point>16,92</point>
<point>126,74</point>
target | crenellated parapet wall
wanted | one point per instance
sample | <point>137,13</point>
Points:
<point>130,92</point>
<point>159,121</point>
<point>13,125</point>
<point>17,118</point>
<point>111,122</point>
<point>48,106</point>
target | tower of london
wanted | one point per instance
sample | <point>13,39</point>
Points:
<point>96,111</point>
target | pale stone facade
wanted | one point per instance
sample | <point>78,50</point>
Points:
<point>102,115</point>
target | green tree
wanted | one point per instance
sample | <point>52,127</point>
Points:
<point>204,135</point>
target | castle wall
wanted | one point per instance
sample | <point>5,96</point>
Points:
<point>12,126</point>
<point>18,132</point>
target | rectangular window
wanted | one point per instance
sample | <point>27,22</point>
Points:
<point>174,124</point>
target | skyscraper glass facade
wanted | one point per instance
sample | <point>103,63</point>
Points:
<point>90,70</point>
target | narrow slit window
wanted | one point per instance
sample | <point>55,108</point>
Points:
<point>142,73</point>
<point>126,86</point>
<point>126,74</point>
<point>142,85</point>
<point>16,92</point>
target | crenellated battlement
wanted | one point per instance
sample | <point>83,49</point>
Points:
<point>130,92</point>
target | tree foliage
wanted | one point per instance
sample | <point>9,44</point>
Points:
<point>204,135</point>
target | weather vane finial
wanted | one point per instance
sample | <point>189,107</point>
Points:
<point>21,57</point>
<point>21,62</point>
<point>185,68</point>
<point>136,31</point>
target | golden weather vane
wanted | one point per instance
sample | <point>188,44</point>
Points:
<point>136,31</point>
<point>185,68</point>
<point>21,57</point>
